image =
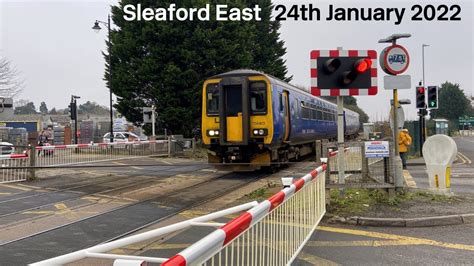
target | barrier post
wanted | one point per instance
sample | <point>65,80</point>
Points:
<point>32,170</point>
<point>169,146</point>
<point>319,148</point>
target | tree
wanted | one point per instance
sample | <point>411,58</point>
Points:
<point>53,111</point>
<point>92,108</point>
<point>452,102</point>
<point>10,82</point>
<point>166,63</point>
<point>27,109</point>
<point>43,108</point>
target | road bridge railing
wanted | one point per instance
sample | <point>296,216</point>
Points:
<point>271,232</point>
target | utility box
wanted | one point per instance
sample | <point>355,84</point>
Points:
<point>441,126</point>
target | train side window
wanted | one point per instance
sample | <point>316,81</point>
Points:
<point>319,115</point>
<point>281,102</point>
<point>258,97</point>
<point>212,95</point>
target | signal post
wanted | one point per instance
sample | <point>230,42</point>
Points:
<point>395,60</point>
<point>343,73</point>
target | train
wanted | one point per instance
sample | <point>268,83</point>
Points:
<point>252,120</point>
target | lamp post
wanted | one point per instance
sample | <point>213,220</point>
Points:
<point>423,112</point>
<point>97,28</point>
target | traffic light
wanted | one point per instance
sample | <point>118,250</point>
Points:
<point>433,97</point>
<point>72,111</point>
<point>420,98</point>
<point>343,72</point>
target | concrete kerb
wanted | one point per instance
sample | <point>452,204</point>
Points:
<point>407,222</point>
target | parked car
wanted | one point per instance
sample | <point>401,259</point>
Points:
<point>6,148</point>
<point>121,137</point>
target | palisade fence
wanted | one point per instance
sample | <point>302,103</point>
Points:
<point>359,170</point>
<point>20,165</point>
<point>271,232</point>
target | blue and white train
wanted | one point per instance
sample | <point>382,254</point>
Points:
<point>252,120</point>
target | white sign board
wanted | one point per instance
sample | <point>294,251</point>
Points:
<point>394,60</point>
<point>397,82</point>
<point>377,149</point>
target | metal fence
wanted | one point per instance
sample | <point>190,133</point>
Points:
<point>96,152</point>
<point>9,170</point>
<point>268,233</point>
<point>359,170</point>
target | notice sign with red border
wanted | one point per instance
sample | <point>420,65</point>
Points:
<point>394,60</point>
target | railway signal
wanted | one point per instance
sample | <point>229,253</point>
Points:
<point>343,72</point>
<point>433,97</point>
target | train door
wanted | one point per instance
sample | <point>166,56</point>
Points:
<point>233,102</point>
<point>286,116</point>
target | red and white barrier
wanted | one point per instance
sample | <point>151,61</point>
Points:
<point>216,241</point>
<point>13,156</point>
<point>104,144</point>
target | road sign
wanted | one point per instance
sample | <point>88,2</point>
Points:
<point>400,117</point>
<point>397,82</point>
<point>343,72</point>
<point>394,60</point>
<point>377,149</point>
<point>147,114</point>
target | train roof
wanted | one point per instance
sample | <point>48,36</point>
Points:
<point>250,72</point>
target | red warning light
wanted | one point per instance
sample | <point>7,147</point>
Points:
<point>421,89</point>
<point>363,65</point>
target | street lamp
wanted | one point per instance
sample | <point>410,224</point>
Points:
<point>97,28</point>
<point>423,60</point>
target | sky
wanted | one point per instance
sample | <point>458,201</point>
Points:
<point>58,54</point>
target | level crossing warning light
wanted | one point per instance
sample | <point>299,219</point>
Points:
<point>343,72</point>
<point>420,98</point>
<point>433,97</point>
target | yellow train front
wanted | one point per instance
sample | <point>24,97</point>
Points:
<point>252,120</point>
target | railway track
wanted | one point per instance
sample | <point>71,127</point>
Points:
<point>120,221</point>
<point>74,192</point>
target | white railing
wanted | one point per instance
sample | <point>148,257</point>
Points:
<point>268,233</point>
<point>99,250</point>
<point>272,233</point>
<point>8,167</point>
<point>94,152</point>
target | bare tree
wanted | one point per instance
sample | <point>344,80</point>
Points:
<point>10,82</point>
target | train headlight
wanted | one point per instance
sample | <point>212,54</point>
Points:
<point>260,132</point>
<point>213,133</point>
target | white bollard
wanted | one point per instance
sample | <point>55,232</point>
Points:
<point>439,152</point>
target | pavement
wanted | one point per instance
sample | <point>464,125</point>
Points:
<point>436,239</point>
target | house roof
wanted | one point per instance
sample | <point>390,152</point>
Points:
<point>24,118</point>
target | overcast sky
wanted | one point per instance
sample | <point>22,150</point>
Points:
<point>53,45</point>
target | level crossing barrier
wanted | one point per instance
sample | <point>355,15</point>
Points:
<point>268,233</point>
<point>94,152</point>
<point>11,167</point>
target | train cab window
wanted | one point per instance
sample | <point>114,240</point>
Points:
<point>212,94</point>
<point>258,98</point>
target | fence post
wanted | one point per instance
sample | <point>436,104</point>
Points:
<point>194,145</point>
<point>365,164</point>
<point>169,146</point>
<point>32,170</point>
<point>319,150</point>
